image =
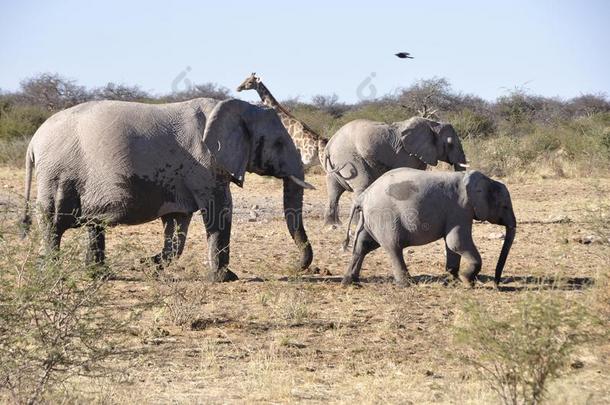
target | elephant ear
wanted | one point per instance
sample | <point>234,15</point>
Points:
<point>420,140</point>
<point>480,191</point>
<point>227,138</point>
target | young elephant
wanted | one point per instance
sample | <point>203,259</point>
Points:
<point>408,207</point>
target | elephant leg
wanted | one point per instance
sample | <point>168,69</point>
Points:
<point>452,265</point>
<point>459,240</point>
<point>181,225</point>
<point>217,221</point>
<point>175,230</point>
<point>334,190</point>
<point>50,239</point>
<point>363,245</point>
<point>97,245</point>
<point>58,213</point>
<point>399,267</point>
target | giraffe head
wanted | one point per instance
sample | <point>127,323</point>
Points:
<point>251,83</point>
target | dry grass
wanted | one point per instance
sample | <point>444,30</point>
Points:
<point>277,337</point>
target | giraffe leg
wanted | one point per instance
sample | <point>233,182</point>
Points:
<point>334,190</point>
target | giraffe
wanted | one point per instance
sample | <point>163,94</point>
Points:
<point>308,142</point>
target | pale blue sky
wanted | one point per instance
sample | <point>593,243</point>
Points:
<point>554,48</point>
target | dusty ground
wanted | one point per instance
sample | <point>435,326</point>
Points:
<point>277,337</point>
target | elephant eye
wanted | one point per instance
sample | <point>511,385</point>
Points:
<point>278,144</point>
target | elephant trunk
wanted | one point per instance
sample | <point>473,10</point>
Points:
<point>293,213</point>
<point>511,230</point>
<point>460,164</point>
<point>457,157</point>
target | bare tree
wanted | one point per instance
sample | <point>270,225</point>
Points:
<point>292,103</point>
<point>329,104</point>
<point>113,91</point>
<point>589,104</point>
<point>53,92</point>
<point>211,90</point>
<point>428,96</point>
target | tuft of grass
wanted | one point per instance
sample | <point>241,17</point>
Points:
<point>12,151</point>
<point>182,303</point>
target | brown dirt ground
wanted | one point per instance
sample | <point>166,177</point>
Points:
<point>277,336</point>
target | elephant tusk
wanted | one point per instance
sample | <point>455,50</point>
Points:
<point>301,183</point>
<point>219,147</point>
<point>464,165</point>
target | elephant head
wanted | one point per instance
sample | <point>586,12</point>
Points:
<point>490,201</point>
<point>243,137</point>
<point>432,141</point>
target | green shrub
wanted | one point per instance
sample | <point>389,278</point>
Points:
<point>495,156</point>
<point>320,121</point>
<point>470,124</point>
<point>19,121</point>
<point>383,112</point>
<point>583,142</point>
<point>520,351</point>
<point>55,321</point>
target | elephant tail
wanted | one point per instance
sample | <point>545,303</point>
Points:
<point>328,167</point>
<point>26,220</point>
<point>356,208</point>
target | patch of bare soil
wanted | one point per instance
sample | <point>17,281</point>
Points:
<point>280,336</point>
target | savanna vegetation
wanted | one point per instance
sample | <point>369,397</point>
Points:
<point>74,334</point>
<point>548,135</point>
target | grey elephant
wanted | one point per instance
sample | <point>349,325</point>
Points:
<point>407,207</point>
<point>112,162</point>
<point>363,150</point>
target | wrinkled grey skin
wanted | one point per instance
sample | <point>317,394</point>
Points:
<point>363,150</point>
<point>407,207</point>
<point>111,162</point>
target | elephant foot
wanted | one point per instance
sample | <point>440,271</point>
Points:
<point>350,280</point>
<point>404,282</point>
<point>332,223</point>
<point>467,281</point>
<point>156,259</point>
<point>222,276</point>
<point>100,271</point>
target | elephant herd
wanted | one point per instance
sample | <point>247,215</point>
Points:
<point>105,163</point>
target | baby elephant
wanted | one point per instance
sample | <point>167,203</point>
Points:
<point>408,207</point>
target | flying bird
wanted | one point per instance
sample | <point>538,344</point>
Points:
<point>404,55</point>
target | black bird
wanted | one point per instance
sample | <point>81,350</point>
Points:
<point>404,55</point>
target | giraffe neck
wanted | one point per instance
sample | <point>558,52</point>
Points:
<point>270,101</point>
<point>304,138</point>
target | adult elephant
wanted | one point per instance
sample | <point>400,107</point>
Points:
<point>363,150</point>
<point>111,162</point>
